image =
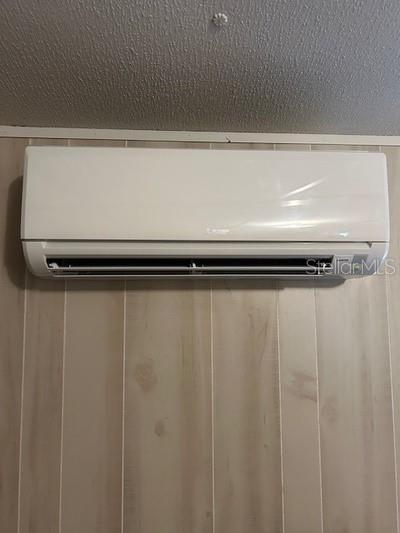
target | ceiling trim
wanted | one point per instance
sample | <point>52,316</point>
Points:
<point>197,136</point>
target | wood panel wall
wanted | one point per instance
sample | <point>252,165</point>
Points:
<point>218,407</point>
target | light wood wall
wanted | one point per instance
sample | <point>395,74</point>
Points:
<point>167,407</point>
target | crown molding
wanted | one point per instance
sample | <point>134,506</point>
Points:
<point>197,136</point>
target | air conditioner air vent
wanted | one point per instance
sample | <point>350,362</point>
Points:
<point>144,267</point>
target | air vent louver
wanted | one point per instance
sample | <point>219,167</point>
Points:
<point>144,267</point>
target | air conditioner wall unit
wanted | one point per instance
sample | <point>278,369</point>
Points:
<point>143,212</point>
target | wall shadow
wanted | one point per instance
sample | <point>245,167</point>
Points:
<point>14,260</point>
<point>229,284</point>
<point>12,253</point>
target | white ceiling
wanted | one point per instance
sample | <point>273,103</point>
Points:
<point>311,66</point>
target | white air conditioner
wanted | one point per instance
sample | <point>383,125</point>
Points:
<point>140,213</point>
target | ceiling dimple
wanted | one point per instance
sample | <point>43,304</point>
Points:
<point>328,66</point>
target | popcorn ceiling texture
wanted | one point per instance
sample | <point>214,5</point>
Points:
<point>326,66</point>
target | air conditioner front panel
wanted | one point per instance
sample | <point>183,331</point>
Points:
<point>169,195</point>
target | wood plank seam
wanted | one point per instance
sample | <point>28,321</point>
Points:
<point>212,403</point>
<point>62,404</point>
<point>22,398</point>
<point>123,413</point>
<point>123,405</point>
<point>392,400</point>
<point>318,412</point>
<point>212,409</point>
<point>22,404</point>
<point>280,411</point>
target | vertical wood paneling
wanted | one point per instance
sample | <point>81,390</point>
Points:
<point>41,432</point>
<point>168,476</point>
<point>393,293</point>
<point>246,408</point>
<point>12,272</point>
<point>41,438</point>
<point>92,426</point>
<point>356,419</point>
<point>299,407</point>
<point>358,479</point>
<point>93,383</point>
<point>173,333</point>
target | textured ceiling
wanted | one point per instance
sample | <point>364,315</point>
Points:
<point>311,66</point>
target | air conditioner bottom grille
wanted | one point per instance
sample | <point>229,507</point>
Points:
<point>216,267</point>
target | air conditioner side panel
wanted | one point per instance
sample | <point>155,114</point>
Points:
<point>79,193</point>
<point>35,257</point>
